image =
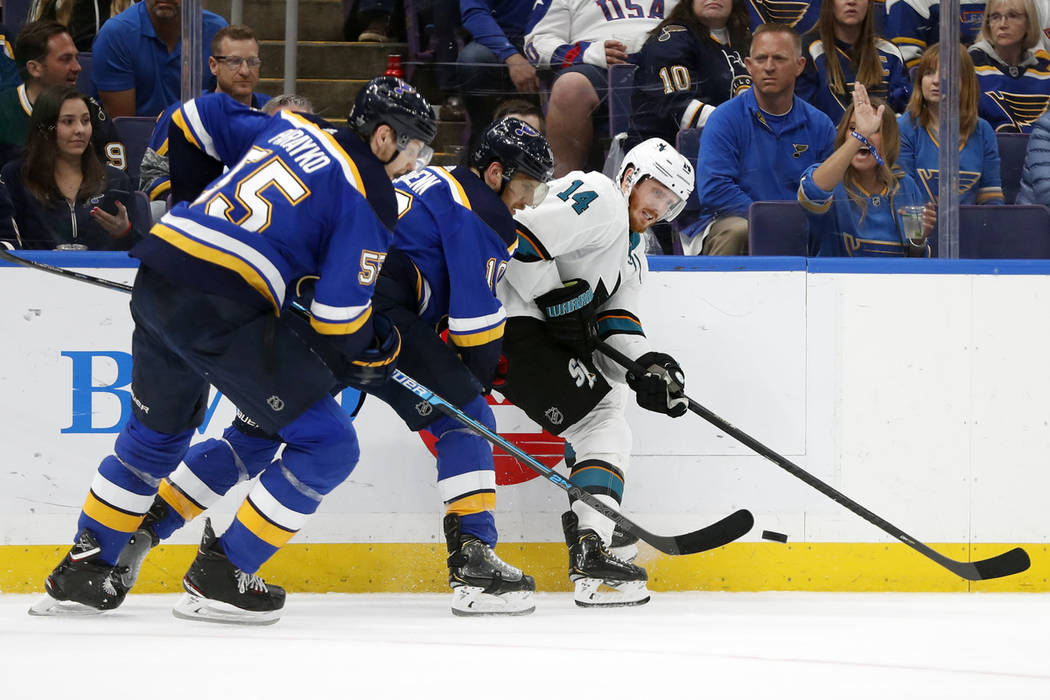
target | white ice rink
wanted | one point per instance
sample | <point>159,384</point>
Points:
<point>682,645</point>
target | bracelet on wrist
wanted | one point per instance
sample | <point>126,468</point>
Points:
<point>867,144</point>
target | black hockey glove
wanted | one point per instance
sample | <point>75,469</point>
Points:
<point>373,367</point>
<point>570,312</point>
<point>661,388</point>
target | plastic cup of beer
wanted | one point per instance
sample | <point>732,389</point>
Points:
<point>913,223</point>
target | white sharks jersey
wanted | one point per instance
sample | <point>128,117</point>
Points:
<point>581,231</point>
<point>574,31</point>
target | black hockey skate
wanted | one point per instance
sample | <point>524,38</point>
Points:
<point>82,584</point>
<point>217,591</point>
<point>624,545</point>
<point>142,541</point>
<point>482,583</point>
<point>602,580</point>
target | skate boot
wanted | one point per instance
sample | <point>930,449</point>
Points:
<point>602,580</point>
<point>142,541</point>
<point>624,545</point>
<point>482,583</point>
<point>217,591</point>
<point>81,584</point>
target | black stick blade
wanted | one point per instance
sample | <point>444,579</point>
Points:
<point>1006,564</point>
<point>719,534</point>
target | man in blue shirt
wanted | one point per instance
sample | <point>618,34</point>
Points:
<point>137,65</point>
<point>498,31</point>
<point>756,146</point>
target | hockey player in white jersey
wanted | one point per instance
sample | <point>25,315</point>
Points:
<point>576,276</point>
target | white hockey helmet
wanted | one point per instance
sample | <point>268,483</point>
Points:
<point>657,159</point>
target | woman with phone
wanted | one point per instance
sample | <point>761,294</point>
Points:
<point>58,195</point>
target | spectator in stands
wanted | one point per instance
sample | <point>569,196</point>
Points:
<point>756,146</point>
<point>846,33</point>
<point>580,41</point>
<point>9,76</point>
<point>691,63</point>
<point>800,16</point>
<point>83,17</point>
<point>235,63</point>
<point>1035,178</point>
<point>55,194</point>
<point>852,199</point>
<point>492,65</point>
<point>979,177</point>
<point>1013,72</point>
<point>370,21</point>
<point>290,102</point>
<point>524,110</point>
<point>46,57</point>
<point>914,25</point>
<point>137,64</point>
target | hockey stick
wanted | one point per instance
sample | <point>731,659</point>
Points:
<point>723,532</point>
<point>1006,564</point>
<point>61,271</point>
<point>715,535</point>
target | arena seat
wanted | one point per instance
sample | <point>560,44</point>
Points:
<point>134,133</point>
<point>13,16</point>
<point>84,82</point>
<point>778,228</point>
<point>1010,231</point>
<point>687,142</point>
<point>621,85</point>
<point>1012,150</point>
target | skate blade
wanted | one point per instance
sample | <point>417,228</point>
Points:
<point>52,607</point>
<point>471,601</point>
<point>192,607</point>
<point>596,593</point>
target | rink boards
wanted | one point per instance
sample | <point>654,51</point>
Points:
<point>917,388</point>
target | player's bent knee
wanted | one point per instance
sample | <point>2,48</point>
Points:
<point>322,446</point>
<point>149,451</point>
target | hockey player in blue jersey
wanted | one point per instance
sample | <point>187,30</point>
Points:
<point>211,306</point>
<point>452,243</point>
<point>691,63</point>
<point>386,112</point>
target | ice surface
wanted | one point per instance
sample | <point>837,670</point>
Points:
<point>682,645</point>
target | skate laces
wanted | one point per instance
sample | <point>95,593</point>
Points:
<point>247,582</point>
<point>489,555</point>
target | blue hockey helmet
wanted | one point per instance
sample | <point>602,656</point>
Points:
<point>519,149</point>
<point>392,101</point>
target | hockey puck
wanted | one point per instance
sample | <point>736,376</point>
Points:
<point>775,536</point>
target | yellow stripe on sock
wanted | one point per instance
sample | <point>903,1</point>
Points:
<point>110,516</point>
<point>262,528</point>
<point>178,500</point>
<point>475,503</point>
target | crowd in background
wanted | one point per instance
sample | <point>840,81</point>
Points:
<point>776,118</point>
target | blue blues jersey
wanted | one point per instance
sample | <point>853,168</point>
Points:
<point>458,236</point>
<point>679,81</point>
<point>979,178</point>
<point>212,132</point>
<point>293,205</point>
<point>838,227</point>
<point>814,87</point>
<point>155,172</point>
<point>798,14</point>
<point>914,25</point>
<point>1012,97</point>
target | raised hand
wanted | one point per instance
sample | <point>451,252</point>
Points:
<point>867,119</point>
